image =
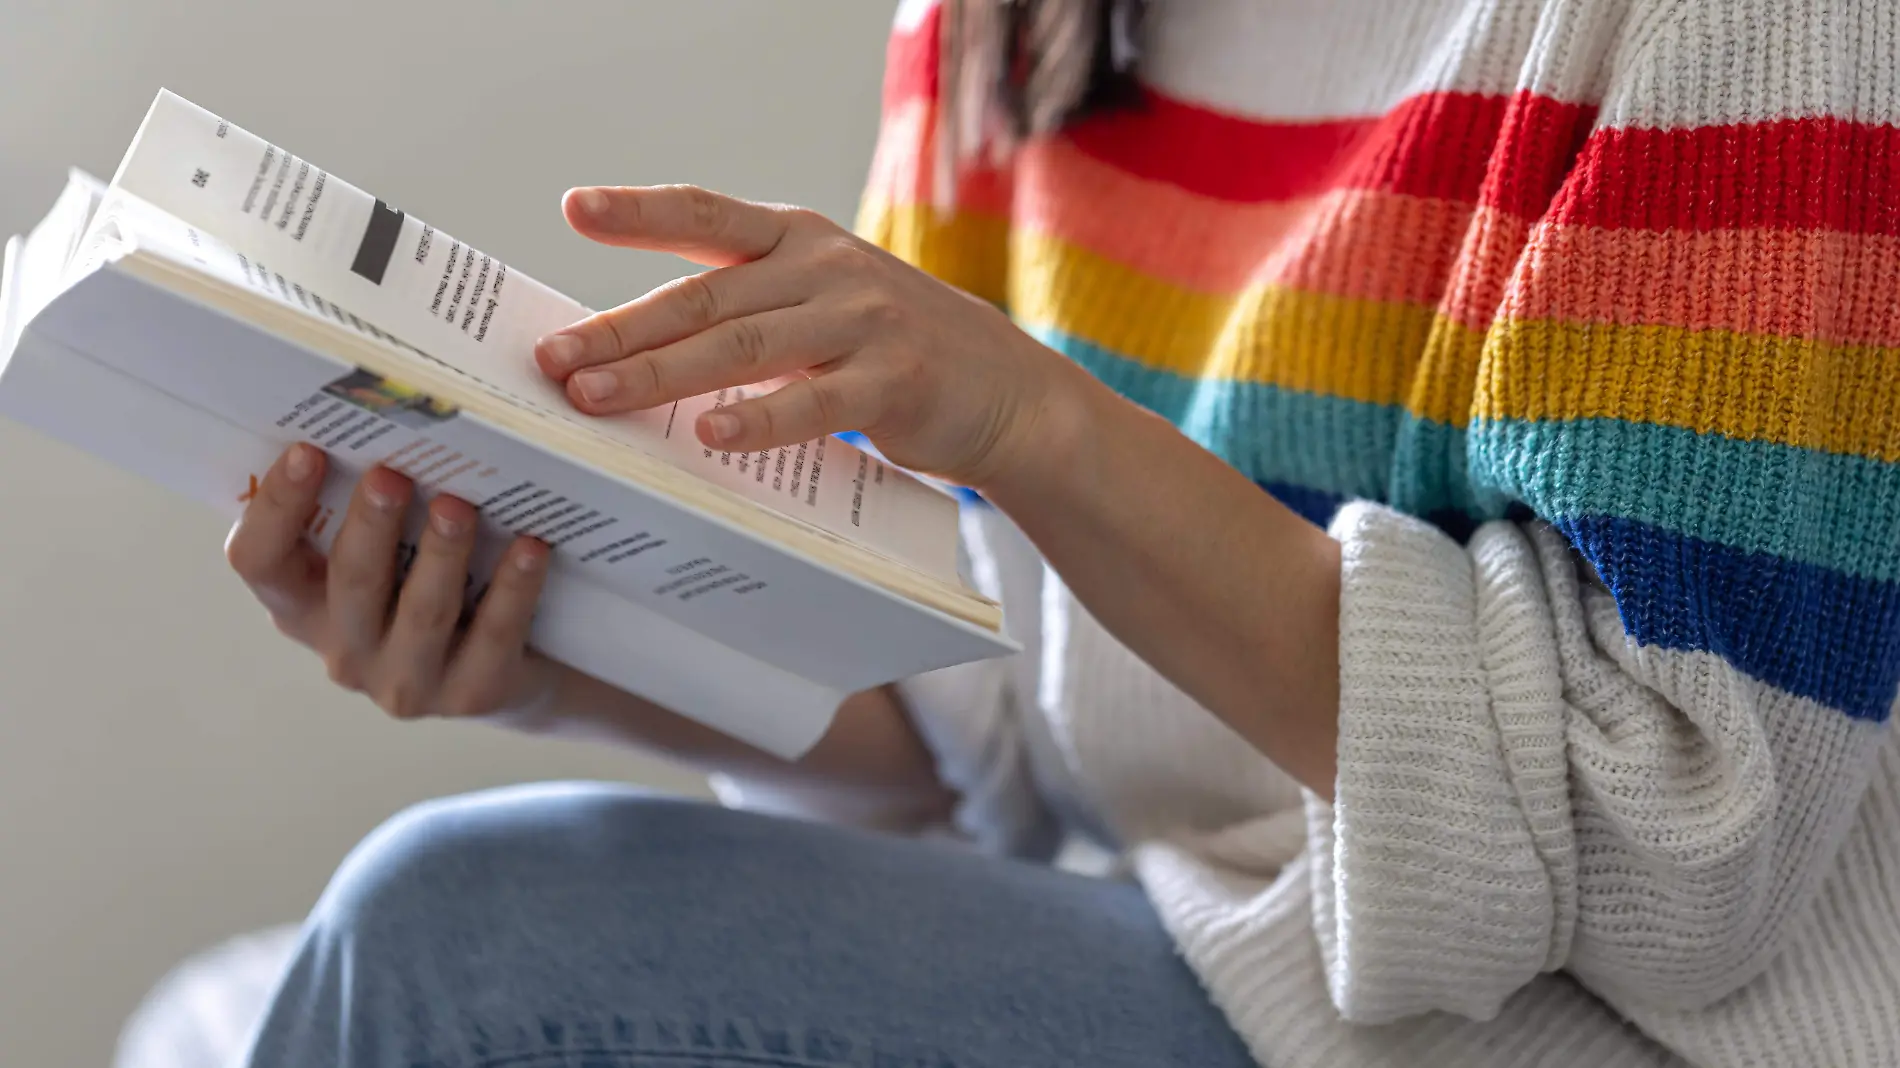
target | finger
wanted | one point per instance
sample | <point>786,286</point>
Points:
<point>428,608</point>
<point>266,547</point>
<point>676,310</point>
<point>362,574</point>
<point>483,669</point>
<point>739,352</point>
<point>820,405</point>
<point>701,225</point>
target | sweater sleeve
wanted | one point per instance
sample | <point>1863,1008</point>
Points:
<point>1524,787</point>
<point>1626,739</point>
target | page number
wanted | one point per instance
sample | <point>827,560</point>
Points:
<point>201,178</point>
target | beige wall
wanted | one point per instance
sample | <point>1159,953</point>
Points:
<point>170,771</point>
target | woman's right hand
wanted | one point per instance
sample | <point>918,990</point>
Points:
<point>404,648</point>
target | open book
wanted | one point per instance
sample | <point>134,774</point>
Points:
<point>222,298</point>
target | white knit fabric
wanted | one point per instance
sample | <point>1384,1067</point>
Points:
<point>1549,847</point>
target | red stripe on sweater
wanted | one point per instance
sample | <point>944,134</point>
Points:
<point>1538,142</point>
<point>1440,145</point>
<point>911,57</point>
<point>1794,174</point>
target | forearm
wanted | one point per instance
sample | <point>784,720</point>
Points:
<point>870,762</point>
<point>1225,591</point>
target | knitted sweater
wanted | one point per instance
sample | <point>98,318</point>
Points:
<point>1577,323</point>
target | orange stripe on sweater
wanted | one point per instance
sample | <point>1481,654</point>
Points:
<point>1826,285</point>
<point>1349,243</point>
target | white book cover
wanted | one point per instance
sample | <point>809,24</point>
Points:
<point>223,298</point>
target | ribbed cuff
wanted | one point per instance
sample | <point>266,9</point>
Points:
<point>1429,890</point>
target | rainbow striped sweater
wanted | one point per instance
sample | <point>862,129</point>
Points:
<point>1671,326</point>
<point>1625,275</point>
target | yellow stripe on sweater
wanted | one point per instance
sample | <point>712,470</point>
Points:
<point>1354,349</point>
<point>968,249</point>
<point>1790,391</point>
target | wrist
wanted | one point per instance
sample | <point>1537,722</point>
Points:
<point>1048,438</point>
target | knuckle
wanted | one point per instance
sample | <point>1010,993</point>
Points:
<point>281,493</point>
<point>346,670</point>
<point>644,376</point>
<point>877,310</point>
<point>403,699</point>
<point>698,301</point>
<point>747,343</point>
<point>607,336</point>
<point>510,594</point>
<point>434,611</point>
<point>627,210</point>
<point>705,210</point>
<point>349,571</point>
<point>842,254</point>
<point>806,220</point>
<point>826,402</point>
<point>765,419</point>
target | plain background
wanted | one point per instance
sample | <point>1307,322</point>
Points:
<point>172,772</point>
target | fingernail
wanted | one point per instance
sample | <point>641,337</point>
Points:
<point>596,386</point>
<point>721,426</point>
<point>591,201</point>
<point>378,499</point>
<point>528,559</point>
<point>301,463</point>
<point>445,526</point>
<point>563,350</point>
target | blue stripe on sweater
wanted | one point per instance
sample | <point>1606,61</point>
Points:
<point>1812,631</point>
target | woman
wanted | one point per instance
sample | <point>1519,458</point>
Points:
<point>1536,710</point>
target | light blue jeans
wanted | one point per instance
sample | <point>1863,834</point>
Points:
<point>597,927</point>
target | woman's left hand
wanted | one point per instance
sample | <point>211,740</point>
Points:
<point>1219,587</point>
<point>940,381</point>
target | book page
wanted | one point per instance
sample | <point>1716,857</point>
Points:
<point>50,246</point>
<point>465,309</point>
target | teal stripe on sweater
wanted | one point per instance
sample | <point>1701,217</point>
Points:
<point>1821,509</point>
<point>1269,434</point>
<point>1824,509</point>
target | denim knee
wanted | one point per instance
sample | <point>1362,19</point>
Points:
<point>463,866</point>
<point>596,925</point>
